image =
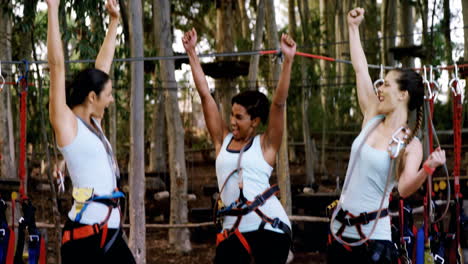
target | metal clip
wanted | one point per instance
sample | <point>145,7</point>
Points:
<point>433,82</point>
<point>380,81</point>
<point>455,83</point>
<point>400,143</point>
<point>427,86</point>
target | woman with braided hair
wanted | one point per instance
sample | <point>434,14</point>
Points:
<point>362,232</point>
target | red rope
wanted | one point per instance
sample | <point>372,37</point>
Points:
<point>22,146</point>
<point>308,55</point>
<point>457,141</point>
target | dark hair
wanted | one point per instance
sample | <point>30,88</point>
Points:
<point>256,104</point>
<point>86,81</point>
<point>411,81</point>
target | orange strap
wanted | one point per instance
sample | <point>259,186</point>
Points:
<point>104,235</point>
<point>11,246</point>
<point>243,241</point>
<point>43,252</point>
<point>80,233</point>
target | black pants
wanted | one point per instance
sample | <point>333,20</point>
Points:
<point>88,250</point>
<point>267,247</point>
<point>374,251</point>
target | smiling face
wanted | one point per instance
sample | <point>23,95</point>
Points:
<point>390,95</point>
<point>103,100</point>
<point>242,126</point>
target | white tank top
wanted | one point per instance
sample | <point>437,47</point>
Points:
<point>367,185</point>
<point>256,174</point>
<point>89,167</point>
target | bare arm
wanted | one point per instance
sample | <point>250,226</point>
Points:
<point>412,177</point>
<point>368,101</point>
<point>106,53</point>
<point>275,128</point>
<point>216,126</point>
<point>62,118</point>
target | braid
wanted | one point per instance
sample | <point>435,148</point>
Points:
<point>400,165</point>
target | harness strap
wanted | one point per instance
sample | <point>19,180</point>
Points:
<point>109,200</point>
<point>250,206</point>
<point>348,219</point>
<point>80,233</point>
<point>243,241</point>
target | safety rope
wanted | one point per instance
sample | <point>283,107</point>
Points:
<point>23,82</point>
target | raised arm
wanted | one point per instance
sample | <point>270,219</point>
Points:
<point>61,116</point>
<point>275,128</point>
<point>106,53</point>
<point>216,126</point>
<point>368,101</point>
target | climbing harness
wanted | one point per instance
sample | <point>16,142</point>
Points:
<point>84,196</point>
<point>396,145</point>
<point>242,207</point>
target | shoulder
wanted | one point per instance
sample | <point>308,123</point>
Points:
<point>414,148</point>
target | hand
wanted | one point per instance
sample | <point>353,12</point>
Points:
<point>436,158</point>
<point>189,40</point>
<point>113,8</point>
<point>288,47</point>
<point>355,16</point>
<point>53,3</point>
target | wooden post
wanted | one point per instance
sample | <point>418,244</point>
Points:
<point>179,238</point>
<point>254,60</point>
<point>7,151</point>
<point>137,157</point>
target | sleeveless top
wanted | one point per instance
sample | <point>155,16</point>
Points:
<point>366,188</point>
<point>256,176</point>
<point>89,167</point>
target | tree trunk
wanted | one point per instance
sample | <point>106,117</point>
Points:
<point>244,20</point>
<point>388,14</point>
<point>225,87</point>
<point>305,66</point>
<point>158,146</point>
<point>406,29</point>
<point>254,60</point>
<point>328,25</point>
<point>446,29</point>
<point>137,157</point>
<point>284,181</point>
<point>7,152</point>
<point>179,238</point>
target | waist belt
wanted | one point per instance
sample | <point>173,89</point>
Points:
<point>243,207</point>
<point>348,219</point>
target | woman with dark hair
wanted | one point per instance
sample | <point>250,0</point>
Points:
<point>92,233</point>
<point>255,224</point>
<point>385,120</point>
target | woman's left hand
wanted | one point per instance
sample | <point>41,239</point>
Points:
<point>288,47</point>
<point>113,8</point>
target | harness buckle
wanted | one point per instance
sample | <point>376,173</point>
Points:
<point>33,237</point>
<point>2,232</point>
<point>407,239</point>
<point>260,199</point>
<point>437,257</point>
<point>348,221</point>
<point>366,220</point>
<point>275,222</point>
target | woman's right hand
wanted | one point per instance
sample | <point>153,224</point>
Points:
<point>436,159</point>
<point>355,16</point>
<point>189,40</point>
